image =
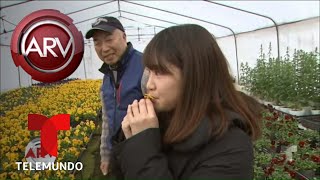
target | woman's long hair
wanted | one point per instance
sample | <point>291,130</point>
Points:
<point>207,87</point>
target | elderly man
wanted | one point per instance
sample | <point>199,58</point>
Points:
<point>122,68</point>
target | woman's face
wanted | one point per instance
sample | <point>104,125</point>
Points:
<point>165,88</point>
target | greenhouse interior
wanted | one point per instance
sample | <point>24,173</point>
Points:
<point>272,49</point>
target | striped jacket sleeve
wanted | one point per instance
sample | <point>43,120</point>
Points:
<point>104,149</point>
<point>144,81</point>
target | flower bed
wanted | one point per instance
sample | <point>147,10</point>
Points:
<point>273,152</point>
<point>78,98</point>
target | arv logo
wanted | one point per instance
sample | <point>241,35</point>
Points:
<point>47,45</point>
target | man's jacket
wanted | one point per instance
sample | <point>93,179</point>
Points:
<point>116,96</point>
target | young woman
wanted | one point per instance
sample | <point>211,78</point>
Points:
<point>196,125</point>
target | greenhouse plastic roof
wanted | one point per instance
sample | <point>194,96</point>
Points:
<point>152,16</point>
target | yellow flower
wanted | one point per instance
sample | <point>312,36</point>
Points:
<point>21,175</point>
<point>58,174</point>
<point>14,148</point>
<point>3,175</point>
<point>14,165</point>
<point>74,142</point>
<point>5,165</point>
<point>71,176</point>
<point>67,140</point>
<point>86,139</point>
<point>6,149</point>
<point>68,133</point>
<point>27,172</point>
<point>36,176</point>
<point>21,147</point>
<point>14,175</point>
<point>48,173</point>
<point>12,156</point>
<point>76,132</point>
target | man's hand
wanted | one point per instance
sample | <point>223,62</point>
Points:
<point>140,116</point>
<point>104,166</point>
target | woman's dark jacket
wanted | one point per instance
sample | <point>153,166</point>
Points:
<point>199,157</point>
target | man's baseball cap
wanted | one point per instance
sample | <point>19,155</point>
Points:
<point>106,23</point>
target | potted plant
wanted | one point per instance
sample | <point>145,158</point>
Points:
<point>288,92</point>
<point>315,98</point>
<point>245,76</point>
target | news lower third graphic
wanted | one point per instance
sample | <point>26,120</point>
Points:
<point>42,151</point>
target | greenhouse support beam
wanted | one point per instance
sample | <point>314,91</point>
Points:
<point>90,7</point>
<point>135,27</point>
<point>84,67</point>
<point>19,76</point>
<point>140,22</point>
<point>133,35</point>
<point>257,14</point>
<point>94,17</point>
<point>149,17</point>
<point>7,21</point>
<point>119,9</point>
<point>182,15</point>
<point>3,7</point>
<point>6,32</point>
